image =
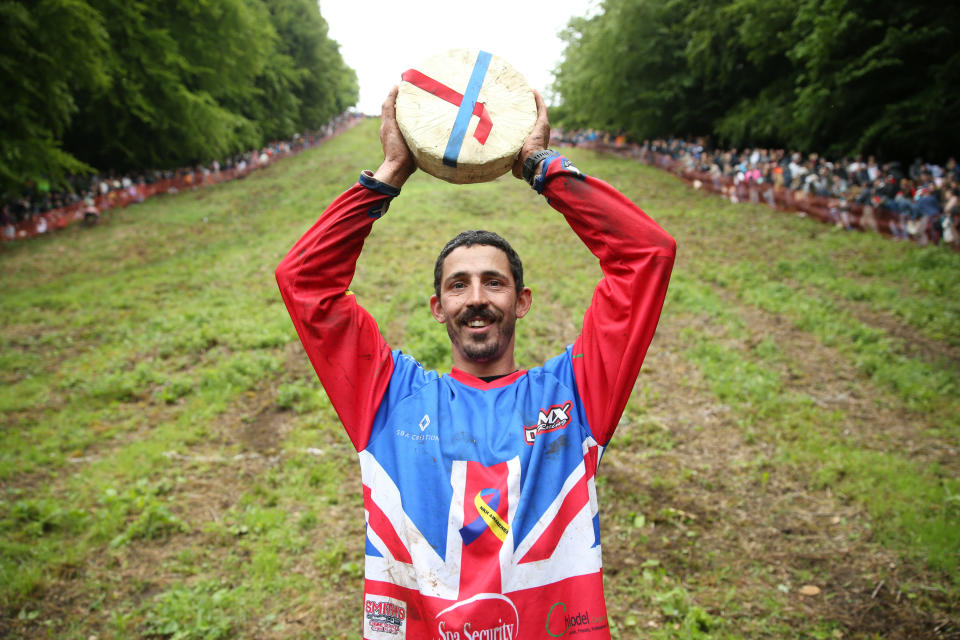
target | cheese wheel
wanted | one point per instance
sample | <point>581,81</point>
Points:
<point>465,114</point>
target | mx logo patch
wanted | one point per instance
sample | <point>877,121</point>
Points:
<point>555,417</point>
<point>569,167</point>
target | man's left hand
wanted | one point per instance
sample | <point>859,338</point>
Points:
<point>538,139</point>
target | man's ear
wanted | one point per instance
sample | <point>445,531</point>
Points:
<point>437,310</point>
<point>524,300</point>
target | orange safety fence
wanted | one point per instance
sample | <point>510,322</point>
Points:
<point>841,212</point>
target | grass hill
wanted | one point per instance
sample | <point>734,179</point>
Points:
<point>170,468</point>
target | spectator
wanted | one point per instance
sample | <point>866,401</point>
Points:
<point>951,218</point>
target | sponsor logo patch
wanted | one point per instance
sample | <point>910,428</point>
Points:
<point>384,618</point>
<point>485,616</point>
<point>562,623</point>
<point>569,167</point>
<point>555,417</point>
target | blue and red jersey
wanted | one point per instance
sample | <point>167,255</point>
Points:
<point>480,500</point>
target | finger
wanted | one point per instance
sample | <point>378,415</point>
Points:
<point>543,120</point>
<point>541,105</point>
<point>389,108</point>
<point>390,103</point>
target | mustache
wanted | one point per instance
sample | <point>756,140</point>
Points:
<point>478,313</point>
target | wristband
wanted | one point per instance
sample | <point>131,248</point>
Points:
<point>379,208</point>
<point>367,180</point>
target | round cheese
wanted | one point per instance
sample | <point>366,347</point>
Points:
<point>465,114</point>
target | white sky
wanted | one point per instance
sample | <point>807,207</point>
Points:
<point>381,39</point>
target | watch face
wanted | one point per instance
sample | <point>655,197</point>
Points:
<point>528,166</point>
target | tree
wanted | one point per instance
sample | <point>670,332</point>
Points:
<point>623,69</point>
<point>737,53</point>
<point>836,76</point>
<point>877,77</point>
<point>47,53</point>
<point>326,86</point>
<point>178,72</point>
<point>133,84</point>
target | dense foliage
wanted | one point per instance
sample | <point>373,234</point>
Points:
<point>124,84</point>
<point>837,76</point>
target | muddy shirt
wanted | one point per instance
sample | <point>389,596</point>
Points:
<point>480,501</point>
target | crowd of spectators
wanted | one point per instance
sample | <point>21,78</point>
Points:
<point>920,202</point>
<point>41,208</point>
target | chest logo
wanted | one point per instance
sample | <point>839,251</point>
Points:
<point>555,417</point>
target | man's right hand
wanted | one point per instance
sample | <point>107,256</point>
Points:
<point>398,163</point>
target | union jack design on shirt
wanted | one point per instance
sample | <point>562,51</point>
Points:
<point>459,528</point>
<point>468,552</point>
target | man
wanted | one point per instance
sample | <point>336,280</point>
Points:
<point>481,509</point>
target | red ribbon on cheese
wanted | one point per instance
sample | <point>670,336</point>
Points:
<point>444,92</point>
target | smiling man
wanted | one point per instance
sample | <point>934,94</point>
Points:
<point>479,493</point>
<point>479,294</point>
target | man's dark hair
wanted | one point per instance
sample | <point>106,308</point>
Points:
<point>484,238</point>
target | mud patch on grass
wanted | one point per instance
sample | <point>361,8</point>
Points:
<point>915,343</point>
<point>833,383</point>
<point>263,432</point>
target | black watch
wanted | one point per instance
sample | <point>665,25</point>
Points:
<point>531,163</point>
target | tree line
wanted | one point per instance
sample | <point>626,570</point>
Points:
<point>832,76</point>
<point>134,84</point>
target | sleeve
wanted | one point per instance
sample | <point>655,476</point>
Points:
<point>636,257</point>
<point>341,338</point>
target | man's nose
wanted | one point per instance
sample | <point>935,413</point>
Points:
<point>477,297</point>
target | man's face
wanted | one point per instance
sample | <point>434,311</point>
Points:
<point>480,305</point>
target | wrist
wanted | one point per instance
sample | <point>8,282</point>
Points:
<point>367,180</point>
<point>531,164</point>
<point>393,174</point>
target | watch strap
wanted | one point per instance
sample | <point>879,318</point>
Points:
<point>532,162</point>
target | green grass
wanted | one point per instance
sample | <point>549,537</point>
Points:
<point>170,467</point>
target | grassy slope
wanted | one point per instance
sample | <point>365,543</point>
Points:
<point>169,466</point>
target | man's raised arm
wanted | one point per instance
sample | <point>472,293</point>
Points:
<point>341,339</point>
<point>636,257</point>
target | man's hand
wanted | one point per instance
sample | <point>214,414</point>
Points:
<point>538,139</point>
<point>398,162</point>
